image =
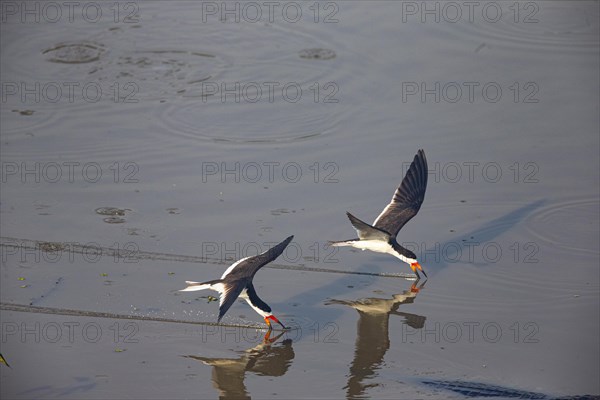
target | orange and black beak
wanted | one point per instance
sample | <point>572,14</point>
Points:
<point>416,266</point>
<point>272,317</point>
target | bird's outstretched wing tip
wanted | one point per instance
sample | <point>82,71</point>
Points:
<point>421,154</point>
<point>351,216</point>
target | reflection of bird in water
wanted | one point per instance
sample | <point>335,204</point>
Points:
<point>381,236</point>
<point>237,281</point>
<point>265,359</point>
<point>372,340</point>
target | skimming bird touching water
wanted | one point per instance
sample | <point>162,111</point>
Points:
<point>407,200</point>
<point>237,281</point>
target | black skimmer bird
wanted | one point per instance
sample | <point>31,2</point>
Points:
<point>237,282</point>
<point>381,236</point>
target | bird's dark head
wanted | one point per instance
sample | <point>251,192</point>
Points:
<point>403,253</point>
<point>409,257</point>
<point>273,318</point>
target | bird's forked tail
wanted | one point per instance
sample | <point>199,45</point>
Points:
<point>217,285</point>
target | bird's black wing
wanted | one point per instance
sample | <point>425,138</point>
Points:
<point>231,291</point>
<point>247,267</point>
<point>407,199</point>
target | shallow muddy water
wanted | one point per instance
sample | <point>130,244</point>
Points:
<point>146,144</point>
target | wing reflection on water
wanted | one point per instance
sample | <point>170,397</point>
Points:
<point>372,340</point>
<point>266,359</point>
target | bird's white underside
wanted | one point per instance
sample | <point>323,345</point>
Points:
<point>219,287</point>
<point>377,246</point>
<point>383,211</point>
<point>244,295</point>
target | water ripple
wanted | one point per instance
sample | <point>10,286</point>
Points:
<point>571,225</point>
<point>546,26</point>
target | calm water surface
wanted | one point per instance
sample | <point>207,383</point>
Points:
<point>215,131</point>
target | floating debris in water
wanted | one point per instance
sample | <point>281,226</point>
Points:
<point>114,213</point>
<point>209,298</point>
<point>317,54</point>
<point>51,247</point>
<point>110,211</point>
<point>114,220</point>
<point>3,361</point>
<point>280,211</point>
<point>24,112</point>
